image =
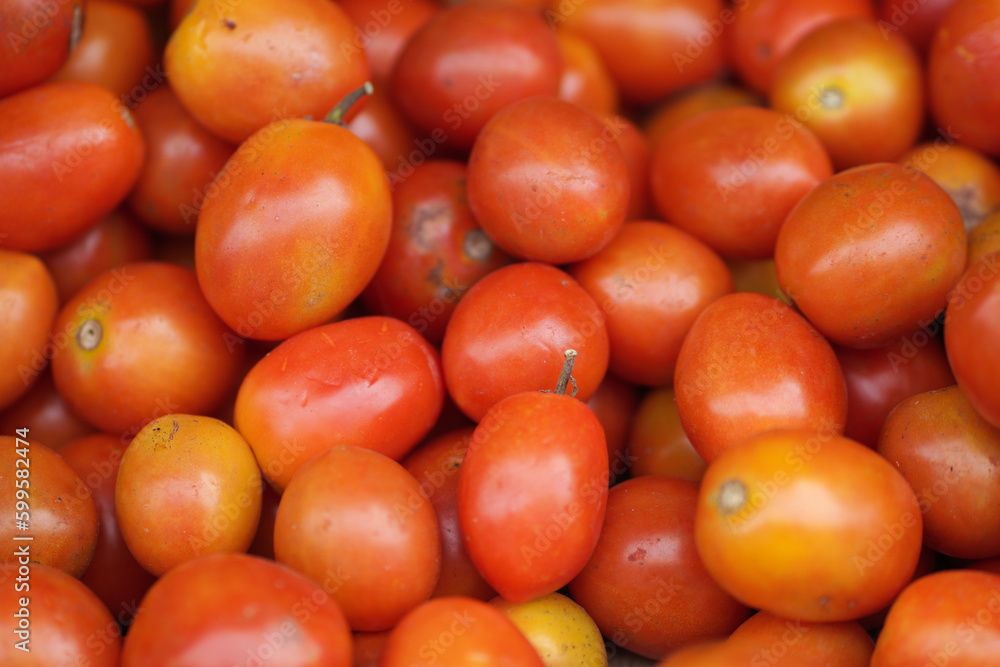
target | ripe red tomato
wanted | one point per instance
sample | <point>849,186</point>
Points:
<point>38,37</point>
<point>382,28</point>
<point>638,152</point>
<point>44,412</point>
<point>917,21</point>
<point>690,102</point>
<point>614,404</point>
<point>843,644</point>
<point>382,126</point>
<point>585,78</point>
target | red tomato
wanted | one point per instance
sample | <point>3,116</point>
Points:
<point>808,526</point>
<point>383,27</point>
<point>658,444</point>
<point>690,102</point>
<point>38,37</point>
<point>368,648</point>
<point>750,364</point>
<point>844,644</point>
<point>638,153</point>
<point>645,585</point>
<point>382,126</point>
<point>917,21</point>
<point>614,404</point>
<point>585,79</point>
<point>228,609</point>
<point>353,521</point>
<point>45,413</point>
<point>870,254</point>
<point>984,240</point>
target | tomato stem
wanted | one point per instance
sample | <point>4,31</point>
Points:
<point>566,375</point>
<point>343,106</point>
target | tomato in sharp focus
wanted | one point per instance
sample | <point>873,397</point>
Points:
<point>808,526</point>
<point>870,254</point>
<point>32,49</point>
<point>750,364</point>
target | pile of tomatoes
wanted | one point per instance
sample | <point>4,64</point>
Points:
<point>500,332</point>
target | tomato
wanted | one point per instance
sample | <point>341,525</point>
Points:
<point>45,413</point>
<point>585,79</point>
<point>49,502</point>
<point>614,404</point>
<point>383,27</point>
<point>547,181</point>
<point>69,153</point>
<point>808,526</point>
<point>870,255</point>
<point>368,648</point>
<point>64,622</point>
<point>692,101</point>
<point>984,239</point>
<point>509,334</point>
<point>917,21</point>
<point>354,522</point>
<point>860,89</point>
<point>658,444</point>
<point>645,585</point>
<point>370,381</point>
<point>844,644</point>
<point>750,364</point>
<point>972,324</point>
<point>652,281</point>
<point>182,159</point>
<point>536,472</point>
<point>946,618</point>
<point>292,52</point>
<point>109,362</point>
<point>435,465</point>
<point>969,177</point>
<point>382,126</point>
<point>559,629</point>
<point>329,193</point>
<point>879,378</point>
<point>964,54</point>
<point>730,176</point>
<point>263,539</point>
<point>30,303</point>
<point>927,563</point>
<point>38,37</point>
<point>638,153</point>
<point>458,632</point>
<point>225,609</point>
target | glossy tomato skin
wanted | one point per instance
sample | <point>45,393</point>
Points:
<point>218,55</point>
<point>950,617</point>
<point>645,585</point>
<point>458,632</point>
<point>585,79</point>
<point>843,644</point>
<point>269,280</point>
<point>38,37</point>
<point>69,153</point>
<point>972,324</point>
<point>808,526</point>
<point>354,522</point>
<point>371,382</point>
<point>547,181</point>
<point>470,61</point>
<point>870,254</point>
<point>224,609</point>
<point>730,176</point>
<point>536,472</point>
<point>559,629</point>
<point>652,281</point>
<point>750,364</point>
<point>509,334</point>
<point>951,457</point>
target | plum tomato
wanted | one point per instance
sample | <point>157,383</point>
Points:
<point>843,644</point>
<point>559,629</point>
<point>187,486</point>
<point>367,381</point>
<point>657,444</point>
<point>870,254</point>
<point>809,526</point>
<point>295,226</point>
<point>585,78</point>
<point>536,472</point>
<point>969,177</point>
<point>38,37</point>
<point>652,281</point>
<point>750,364</point>
<point>547,181</point>
<point>509,334</point>
<point>354,521</point>
<point>730,176</point>
<point>234,609</point>
<point>645,585</point>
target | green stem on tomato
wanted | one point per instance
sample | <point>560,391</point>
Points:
<point>343,106</point>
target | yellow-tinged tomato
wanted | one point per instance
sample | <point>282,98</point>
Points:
<point>560,630</point>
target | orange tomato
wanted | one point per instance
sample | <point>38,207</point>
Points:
<point>972,179</point>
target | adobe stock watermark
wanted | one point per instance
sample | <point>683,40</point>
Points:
<point>30,25</point>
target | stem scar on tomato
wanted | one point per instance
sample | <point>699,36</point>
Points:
<point>732,496</point>
<point>89,335</point>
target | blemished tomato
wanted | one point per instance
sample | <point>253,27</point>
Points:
<point>509,334</point>
<point>313,238</point>
<point>354,522</point>
<point>371,381</point>
<point>692,101</point>
<point>383,27</point>
<point>47,501</point>
<point>61,621</point>
<point>559,629</point>
<point>470,61</point>
<point>458,632</point>
<point>808,526</point>
<point>860,90</point>
<point>536,472</point>
<point>227,609</point>
<point>34,48</point>
<point>657,444</point>
<point>984,240</point>
<point>44,412</point>
<point>652,281</point>
<point>547,181</point>
<point>951,457</point>
<point>187,486</point>
<point>215,49</point>
<point>109,362</point>
<point>730,176</point>
<point>964,54</point>
<point>69,153</point>
<point>585,79</point>
<point>946,618</point>
<point>750,364</point>
<point>972,327</point>
<point>843,644</point>
<point>645,585</point>
<point>870,254</point>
